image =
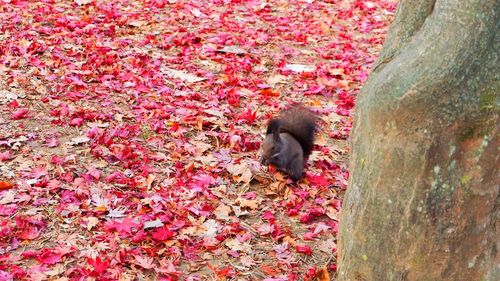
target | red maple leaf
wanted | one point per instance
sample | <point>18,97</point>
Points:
<point>29,233</point>
<point>99,265</point>
<point>48,256</point>
<point>162,234</point>
<point>319,180</point>
<point>304,249</point>
<point>248,116</point>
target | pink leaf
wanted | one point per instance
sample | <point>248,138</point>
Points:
<point>6,155</point>
<point>52,141</point>
<point>20,113</point>
<point>144,262</point>
<point>126,225</point>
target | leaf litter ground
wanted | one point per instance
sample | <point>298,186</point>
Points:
<point>129,136</point>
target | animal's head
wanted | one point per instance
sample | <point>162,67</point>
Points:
<point>272,144</point>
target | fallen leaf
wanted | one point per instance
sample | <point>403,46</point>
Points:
<point>238,246</point>
<point>277,79</point>
<point>137,23</point>
<point>269,93</point>
<point>78,140</point>
<point>5,185</point>
<point>222,212</point>
<point>233,50</point>
<point>153,224</point>
<point>300,67</point>
<point>183,75</point>
<point>241,171</point>
<point>82,2</point>
<point>91,222</point>
<point>323,274</point>
<point>162,234</point>
<point>269,269</point>
<point>144,262</point>
<point>246,203</point>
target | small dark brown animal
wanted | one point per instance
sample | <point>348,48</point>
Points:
<point>289,140</point>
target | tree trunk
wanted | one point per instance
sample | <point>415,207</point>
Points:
<point>423,198</point>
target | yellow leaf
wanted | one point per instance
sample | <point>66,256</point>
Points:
<point>101,208</point>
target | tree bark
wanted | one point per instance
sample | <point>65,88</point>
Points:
<point>423,198</point>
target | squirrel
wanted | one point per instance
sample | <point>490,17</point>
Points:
<point>289,140</point>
